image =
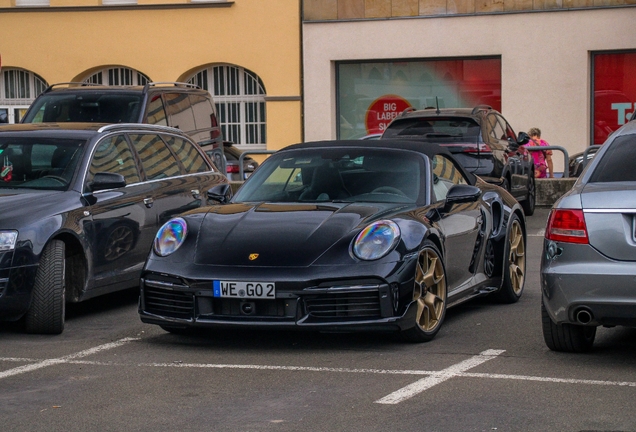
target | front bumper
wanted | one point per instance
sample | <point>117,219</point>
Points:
<point>334,305</point>
<point>579,278</point>
<point>17,276</point>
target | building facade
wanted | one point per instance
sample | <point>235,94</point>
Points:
<point>245,52</point>
<point>564,66</point>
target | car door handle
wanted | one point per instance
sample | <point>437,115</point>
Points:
<point>195,193</point>
<point>148,202</point>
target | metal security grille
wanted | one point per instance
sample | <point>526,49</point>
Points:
<point>18,89</point>
<point>239,95</point>
<point>118,76</point>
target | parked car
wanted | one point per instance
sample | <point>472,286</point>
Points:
<point>180,105</point>
<point>232,155</point>
<point>575,163</point>
<point>79,208</point>
<point>588,266</point>
<point>480,139</point>
<point>339,235</point>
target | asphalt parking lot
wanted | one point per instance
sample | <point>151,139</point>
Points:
<point>488,369</point>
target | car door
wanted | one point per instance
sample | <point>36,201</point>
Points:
<point>526,162</point>
<point>121,222</point>
<point>172,190</point>
<point>200,175</point>
<point>514,153</point>
<point>460,224</point>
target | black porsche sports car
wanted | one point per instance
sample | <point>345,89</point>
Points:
<point>339,235</point>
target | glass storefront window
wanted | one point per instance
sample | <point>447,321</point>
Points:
<point>371,94</point>
<point>614,90</point>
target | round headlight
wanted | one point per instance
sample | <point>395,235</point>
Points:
<point>376,240</point>
<point>170,236</point>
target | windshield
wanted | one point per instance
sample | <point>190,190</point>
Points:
<point>39,163</point>
<point>438,129</point>
<point>85,107</point>
<point>337,175</point>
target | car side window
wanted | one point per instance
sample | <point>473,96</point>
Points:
<point>156,114</point>
<point>156,159</point>
<point>179,111</point>
<point>113,155</point>
<point>445,175</point>
<point>203,111</point>
<point>497,130</point>
<point>190,158</point>
<point>510,133</point>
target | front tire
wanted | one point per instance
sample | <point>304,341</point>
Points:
<point>46,314</point>
<point>429,295</point>
<point>514,271</point>
<point>566,337</point>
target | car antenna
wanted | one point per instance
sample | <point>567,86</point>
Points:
<point>437,111</point>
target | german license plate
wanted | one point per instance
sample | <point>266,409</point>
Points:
<point>236,289</point>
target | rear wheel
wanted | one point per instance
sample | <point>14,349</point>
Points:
<point>566,337</point>
<point>514,272</point>
<point>531,198</point>
<point>46,314</point>
<point>429,294</point>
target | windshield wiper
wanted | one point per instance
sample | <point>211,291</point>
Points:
<point>442,135</point>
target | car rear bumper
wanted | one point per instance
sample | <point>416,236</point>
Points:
<point>582,286</point>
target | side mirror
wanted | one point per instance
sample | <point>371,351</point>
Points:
<point>106,180</point>
<point>221,193</point>
<point>523,138</point>
<point>459,194</point>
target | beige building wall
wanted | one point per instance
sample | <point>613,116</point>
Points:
<point>166,43</point>
<point>545,58</point>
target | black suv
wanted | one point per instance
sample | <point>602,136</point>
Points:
<point>480,139</point>
<point>180,105</point>
<point>80,205</point>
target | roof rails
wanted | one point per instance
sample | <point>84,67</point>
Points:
<point>116,126</point>
<point>481,108</point>
<point>406,111</point>
<point>172,83</point>
<point>69,84</point>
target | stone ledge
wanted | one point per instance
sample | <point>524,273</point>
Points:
<point>549,190</point>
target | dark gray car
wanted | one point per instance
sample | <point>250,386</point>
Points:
<point>588,266</point>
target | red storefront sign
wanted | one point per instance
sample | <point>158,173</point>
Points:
<point>382,111</point>
<point>614,92</point>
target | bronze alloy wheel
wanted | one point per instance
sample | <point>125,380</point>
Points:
<point>429,295</point>
<point>516,257</point>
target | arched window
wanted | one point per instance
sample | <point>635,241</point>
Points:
<point>118,76</point>
<point>18,88</point>
<point>239,95</point>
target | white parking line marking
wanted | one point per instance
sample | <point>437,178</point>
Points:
<point>551,380</point>
<point>438,377</point>
<point>433,377</point>
<point>65,359</point>
<point>540,233</point>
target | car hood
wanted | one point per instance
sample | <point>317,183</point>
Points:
<point>19,207</point>
<point>280,234</point>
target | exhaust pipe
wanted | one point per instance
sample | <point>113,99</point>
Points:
<point>583,316</point>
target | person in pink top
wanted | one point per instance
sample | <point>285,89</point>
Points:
<point>542,159</point>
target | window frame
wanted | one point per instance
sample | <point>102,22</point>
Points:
<point>230,86</point>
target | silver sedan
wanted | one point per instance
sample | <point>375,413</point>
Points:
<point>588,268</point>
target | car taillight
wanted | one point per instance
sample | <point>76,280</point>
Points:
<point>232,169</point>
<point>567,226</point>
<point>215,132</point>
